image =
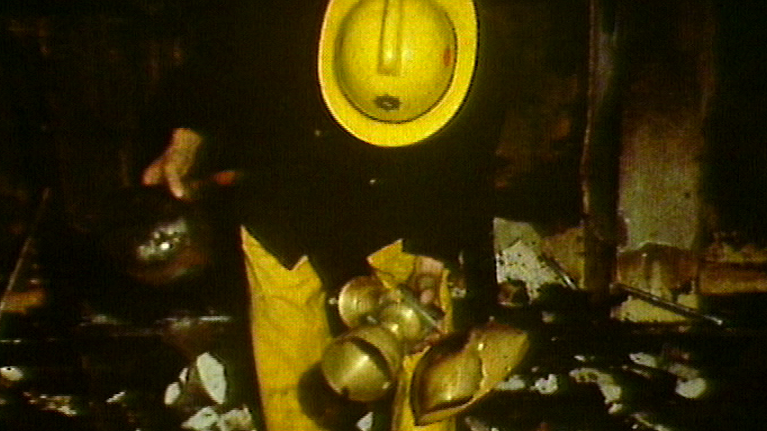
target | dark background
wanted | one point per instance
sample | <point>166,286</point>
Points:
<point>88,90</point>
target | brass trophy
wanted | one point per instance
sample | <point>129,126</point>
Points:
<point>385,323</point>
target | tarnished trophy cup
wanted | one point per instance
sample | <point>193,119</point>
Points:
<point>385,324</point>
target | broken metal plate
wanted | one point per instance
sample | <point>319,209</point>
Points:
<point>463,368</point>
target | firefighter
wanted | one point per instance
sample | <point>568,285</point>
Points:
<point>359,129</point>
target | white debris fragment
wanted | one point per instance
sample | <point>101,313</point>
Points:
<point>366,422</point>
<point>615,408</point>
<point>645,359</point>
<point>683,371</point>
<point>65,410</point>
<point>12,374</point>
<point>548,317</point>
<point>63,404</point>
<point>520,262</point>
<point>172,393</point>
<point>203,420</point>
<point>236,420</point>
<point>512,384</point>
<point>475,424</point>
<point>547,385</point>
<point>610,389</point>
<point>212,377</point>
<point>645,420</point>
<point>116,398</point>
<point>611,392</point>
<point>584,358</point>
<point>693,388</point>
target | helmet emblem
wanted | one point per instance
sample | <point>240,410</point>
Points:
<point>387,103</point>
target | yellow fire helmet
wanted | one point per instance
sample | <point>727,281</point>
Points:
<point>394,72</point>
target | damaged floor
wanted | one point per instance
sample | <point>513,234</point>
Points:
<point>86,362</point>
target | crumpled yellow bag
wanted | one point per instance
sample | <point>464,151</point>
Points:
<point>290,331</point>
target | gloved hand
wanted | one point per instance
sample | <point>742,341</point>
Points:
<point>173,167</point>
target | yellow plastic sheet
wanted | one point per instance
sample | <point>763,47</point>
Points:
<point>290,331</point>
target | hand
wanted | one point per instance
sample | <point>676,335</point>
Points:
<point>426,279</point>
<point>172,168</point>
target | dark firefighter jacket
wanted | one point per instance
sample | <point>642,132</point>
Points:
<point>249,85</point>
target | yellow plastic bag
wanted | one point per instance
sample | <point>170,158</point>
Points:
<point>290,331</point>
